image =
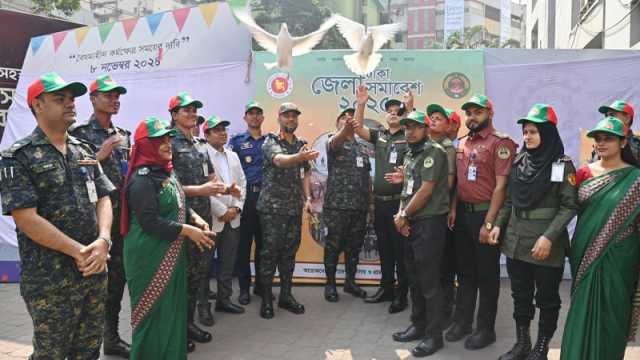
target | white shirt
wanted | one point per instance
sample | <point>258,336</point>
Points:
<point>221,163</point>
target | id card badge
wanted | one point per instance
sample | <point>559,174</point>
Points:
<point>472,175</point>
<point>410,186</point>
<point>557,172</point>
<point>205,169</point>
<point>393,157</point>
<point>359,162</point>
<point>301,172</point>
<point>91,190</point>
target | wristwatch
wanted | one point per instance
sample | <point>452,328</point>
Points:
<point>403,214</point>
<point>108,241</point>
<point>488,225</point>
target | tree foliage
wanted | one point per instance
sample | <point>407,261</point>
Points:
<point>474,37</point>
<point>47,7</point>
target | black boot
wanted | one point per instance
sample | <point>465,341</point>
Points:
<point>351,267</point>
<point>399,302</point>
<point>522,347</point>
<point>383,294</point>
<point>194,333</point>
<point>330,291</point>
<point>191,346</point>
<point>113,344</point>
<point>204,314</point>
<point>266,308</point>
<point>541,349</point>
<point>286,300</point>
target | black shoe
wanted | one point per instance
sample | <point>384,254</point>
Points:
<point>381,295</point>
<point>266,308</point>
<point>398,304</point>
<point>204,315</point>
<point>541,348</point>
<point>330,292</point>
<point>290,304</point>
<point>212,295</point>
<point>191,346</point>
<point>522,347</point>
<point>116,346</point>
<point>480,339</point>
<point>198,335</point>
<point>229,307</point>
<point>244,298</point>
<point>350,287</point>
<point>410,334</point>
<point>457,332</point>
<point>428,346</point>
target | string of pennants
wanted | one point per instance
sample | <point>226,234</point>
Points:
<point>208,12</point>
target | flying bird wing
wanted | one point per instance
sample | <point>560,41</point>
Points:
<point>304,44</point>
<point>263,38</point>
<point>382,34</point>
<point>352,31</point>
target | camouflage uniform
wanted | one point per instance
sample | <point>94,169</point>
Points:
<point>280,209</point>
<point>345,206</point>
<point>193,167</point>
<point>115,168</point>
<point>67,309</point>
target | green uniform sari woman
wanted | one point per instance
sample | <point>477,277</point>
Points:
<point>154,216</point>
<point>605,252</point>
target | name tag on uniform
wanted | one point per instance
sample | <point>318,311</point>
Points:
<point>302,173</point>
<point>205,169</point>
<point>246,145</point>
<point>393,157</point>
<point>91,190</point>
<point>409,186</point>
<point>472,175</point>
<point>359,162</point>
<point>557,172</point>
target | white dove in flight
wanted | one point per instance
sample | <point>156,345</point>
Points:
<point>366,41</point>
<point>284,45</point>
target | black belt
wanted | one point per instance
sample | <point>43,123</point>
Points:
<point>472,208</point>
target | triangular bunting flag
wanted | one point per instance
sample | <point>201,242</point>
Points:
<point>180,16</point>
<point>58,38</point>
<point>128,25</point>
<point>105,30</point>
<point>81,33</point>
<point>154,21</point>
<point>209,12</point>
<point>36,42</point>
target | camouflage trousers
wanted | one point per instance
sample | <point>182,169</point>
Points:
<point>68,323</point>
<point>345,232</point>
<point>117,279</point>
<point>280,242</point>
<point>198,264</point>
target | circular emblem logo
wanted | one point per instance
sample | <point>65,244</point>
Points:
<point>504,152</point>
<point>456,85</point>
<point>428,162</point>
<point>279,85</point>
<point>534,112</point>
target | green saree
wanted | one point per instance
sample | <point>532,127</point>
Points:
<point>605,259</point>
<point>156,276</point>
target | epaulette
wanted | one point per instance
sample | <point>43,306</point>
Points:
<point>273,136</point>
<point>74,127</point>
<point>123,130</point>
<point>81,141</point>
<point>9,152</point>
<point>200,140</point>
<point>500,135</point>
<point>564,158</point>
<point>447,142</point>
<point>234,136</point>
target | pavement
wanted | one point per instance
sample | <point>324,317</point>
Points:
<point>349,329</point>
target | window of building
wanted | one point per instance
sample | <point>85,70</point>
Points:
<point>635,25</point>
<point>551,24</point>
<point>575,12</point>
<point>534,36</point>
<point>533,5</point>
<point>492,13</point>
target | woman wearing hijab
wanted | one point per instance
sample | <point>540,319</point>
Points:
<point>605,251</point>
<point>154,223</point>
<point>532,225</point>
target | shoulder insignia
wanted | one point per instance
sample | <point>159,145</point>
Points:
<point>503,152</point>
<point>15,147</point>
<point>143,171</point>
<point>565,158</point>
<point>447,142</point>
<point>500,135</point>
<point>123,130</point>
<point>77,126</point>
<point>428,162</point>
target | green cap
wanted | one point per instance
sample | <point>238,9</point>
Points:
<point>153,127</point>
<point>104,83</point>
<point>618,105</point>
<point>609,125</point>
<point>286,107</point>
<point>417,116</point>
<point>212,122</point>
<point>434,108</point>
<point>540,113</point>
<point>50,82</point>
<point>478,100</point>
<point>183,99</point>
<point>252,105</point>
<point>350,109</point>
